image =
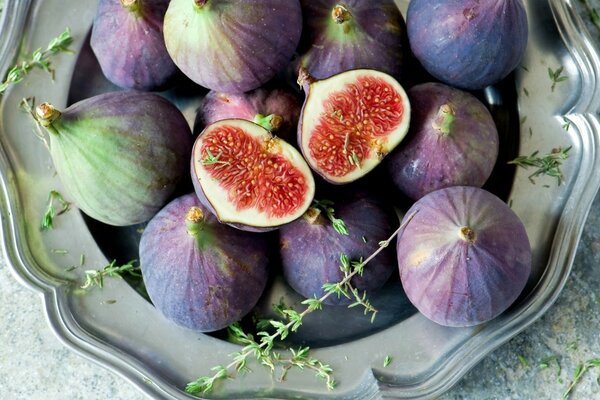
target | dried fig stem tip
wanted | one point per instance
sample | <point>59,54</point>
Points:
<point>340,14</point>
<point>194,220</point>
<point>312,215</point>
<point>129,3</point>
<point>200,3</point>
<point>46,114</point>
<point>305,79</point>
<point>467,234</point>
<point>270,122</point>
<point>444,120</point>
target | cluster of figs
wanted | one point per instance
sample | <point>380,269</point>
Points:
<point>262,162</point>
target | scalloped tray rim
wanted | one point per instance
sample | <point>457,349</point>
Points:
<point>583,114</point>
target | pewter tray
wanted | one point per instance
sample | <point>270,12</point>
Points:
<point>120,329</point>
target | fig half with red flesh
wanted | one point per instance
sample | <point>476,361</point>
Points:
<point>249,178</point>
<point>350,122</point>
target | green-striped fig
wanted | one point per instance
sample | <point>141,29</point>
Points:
<point>232,46</point>
<point>119,155</point>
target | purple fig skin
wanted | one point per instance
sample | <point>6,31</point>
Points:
<point>232,46</point>
<point>342,35</point>
<point>263,101</point>
<point>120,155</point>
<point>205,282</point>
<point>140,60</point>
<point>435,155</point>
<point>469,44</point>
<point>464,257</point>
<point>310,248</point>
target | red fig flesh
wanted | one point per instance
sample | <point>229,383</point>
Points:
<point>350,122</point>
<point>248,177</point>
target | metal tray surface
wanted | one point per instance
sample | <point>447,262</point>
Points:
<point>122,331</point>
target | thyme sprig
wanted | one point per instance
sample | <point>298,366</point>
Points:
<point>556,76</point>
<point>327,207</point>
<point>211,159</point>
<point>580,370</point>
<point>38,59</point>
<point>51,212</point>
<point>262,349</point>
<point>548,164</point>
<point>96,277</point>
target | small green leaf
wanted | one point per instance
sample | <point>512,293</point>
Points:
<point>387,361</point>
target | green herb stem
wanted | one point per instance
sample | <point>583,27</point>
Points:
<point>263,350</point>
<point>327,207</point>
<point>580,370</point>
<point>96,277</point>
<point>548,164</point>
<point>51,213</point>
<point>39,59</point>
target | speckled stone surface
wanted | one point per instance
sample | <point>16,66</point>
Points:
<point>35,365</point>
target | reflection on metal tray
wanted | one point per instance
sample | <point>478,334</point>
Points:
<point>129,336</point>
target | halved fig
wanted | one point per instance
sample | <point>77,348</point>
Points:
<point>350,122</point>
<point>249,178</point>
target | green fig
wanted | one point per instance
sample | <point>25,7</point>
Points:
<point>119,155</point>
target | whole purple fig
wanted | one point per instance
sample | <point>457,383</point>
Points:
<point>120,155</point>
<point>469,44</point>
<point>140,60</point>
<point>342,35</point>
<point>199,273</point>
<point>275,109</point>
<point>232,46</point>
<point>464,256</point>
<point>311,246</point>
<point>452,141</point>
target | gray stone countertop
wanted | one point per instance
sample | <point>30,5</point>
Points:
<point>539,363</point>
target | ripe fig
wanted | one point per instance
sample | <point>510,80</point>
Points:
<point>342,35</point>
<point>350,122</point>
<point>232,46</point>
<point>469,44</point>
<point>464,257</point>
<point>249,178</point>
<point>140,61</point>
<point>275,109</point>
<point>311,246</point>
<point>199,273</point>
<point>119,155</point>
<point>452,141</point>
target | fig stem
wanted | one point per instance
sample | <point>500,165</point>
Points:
<point>305,79</point>
<point>312,215</point>
<point>467,234</point>
<point>270,122</point>
<point>131,5</point>
<point>444,120</point>
<point>340,14</point>
<point>200,3</point>
<point>46,114</point>
<point>194,221</point>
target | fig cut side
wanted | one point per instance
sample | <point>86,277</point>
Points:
<point>350,122</point>
<point>255,179</point>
